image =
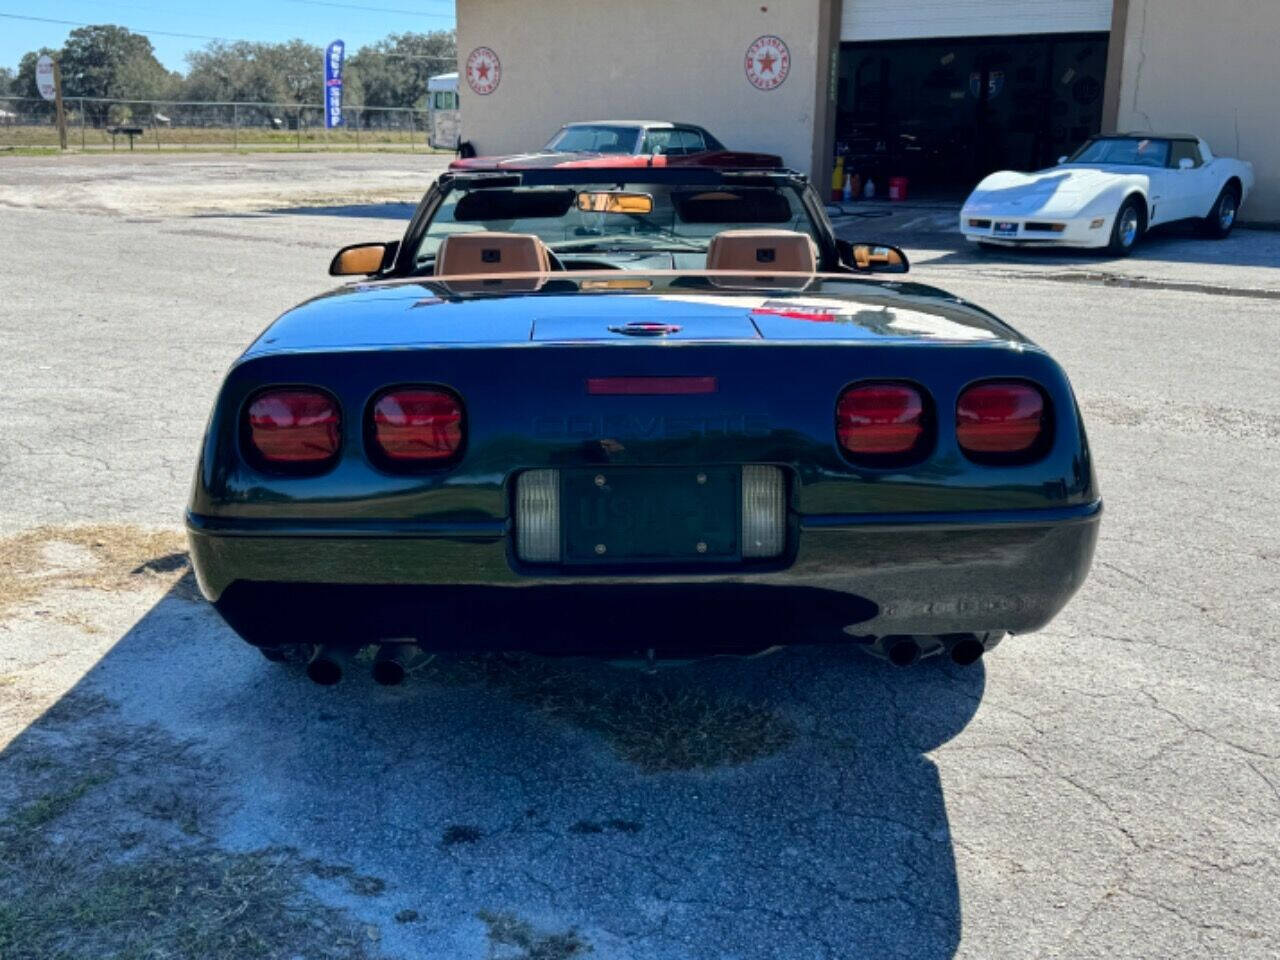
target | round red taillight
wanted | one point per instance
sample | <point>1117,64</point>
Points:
<point>294,427</point>
<point>417,426</point>
<point>1001,419</point>
<point>881,420</point>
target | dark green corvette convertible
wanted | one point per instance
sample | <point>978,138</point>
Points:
<point>620,412</point>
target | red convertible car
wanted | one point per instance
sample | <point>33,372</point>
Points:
<point>627,143</point>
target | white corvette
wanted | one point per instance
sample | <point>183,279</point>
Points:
<point>1108,193</point>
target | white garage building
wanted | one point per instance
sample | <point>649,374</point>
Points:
<point>935,91</point>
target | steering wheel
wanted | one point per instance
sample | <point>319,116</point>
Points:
<point>556,263</point>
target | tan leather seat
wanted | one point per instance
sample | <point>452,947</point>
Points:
<point>463,254</point>
<point>762,251</point>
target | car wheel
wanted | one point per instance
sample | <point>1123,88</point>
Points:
<point>287,653</point>
<point>1222,217</point>
<point>1127,228</point>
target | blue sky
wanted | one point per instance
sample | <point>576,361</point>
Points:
<point>355,21</point>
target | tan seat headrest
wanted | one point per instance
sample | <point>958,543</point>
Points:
<point>762,251</point>
<point>463,254</point>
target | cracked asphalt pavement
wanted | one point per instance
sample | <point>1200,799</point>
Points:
<point>1108,787</point>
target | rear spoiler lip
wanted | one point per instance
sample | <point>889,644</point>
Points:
<point>561,176</point>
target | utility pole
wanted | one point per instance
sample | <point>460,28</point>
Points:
<point>57,104</point>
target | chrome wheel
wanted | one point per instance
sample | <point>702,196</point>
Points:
<point>1128,231</point>
<point>1226,212</point>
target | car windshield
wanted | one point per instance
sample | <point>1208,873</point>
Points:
<point>684,218</point>
<point>595,139</point>
<point>1128,151</point>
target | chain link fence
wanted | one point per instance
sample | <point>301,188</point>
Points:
<point>99,124</point>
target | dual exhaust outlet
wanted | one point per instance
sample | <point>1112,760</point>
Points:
<point>963,648</point>
<point>394,662</point>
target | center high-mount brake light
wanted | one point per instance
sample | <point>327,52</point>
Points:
<point>650,386</point>
<point>294,428</point>
<point>419,425</point>
<point>1001,420</point>
<point>881,421</point>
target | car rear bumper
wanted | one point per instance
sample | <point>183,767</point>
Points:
<point>456,586</point>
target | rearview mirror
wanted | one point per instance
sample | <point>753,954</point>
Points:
<point>1063,158</point>
<point>1186,163</point>
<point>615,201</point>
<point>873,257</point>
<point>361,259</point>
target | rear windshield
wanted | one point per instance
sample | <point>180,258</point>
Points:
<point>599,139</point>
<point>1127,151</point>
<point>683,220</point>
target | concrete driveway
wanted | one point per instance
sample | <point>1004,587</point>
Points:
<point>1109,787</point>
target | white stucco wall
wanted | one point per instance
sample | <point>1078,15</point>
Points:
<point>1212,69</point>
<point>566,60</point>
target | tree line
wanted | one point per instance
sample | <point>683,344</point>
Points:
<point>113,62</point>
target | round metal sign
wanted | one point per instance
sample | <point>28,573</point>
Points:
<point>768,62</point>
<point>44,77</point>
<point>484,71</point>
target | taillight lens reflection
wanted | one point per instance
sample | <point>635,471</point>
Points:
<point>881,420</point>
<point>294,427</point>
<point>1002,419</point>
<point>418,426</point>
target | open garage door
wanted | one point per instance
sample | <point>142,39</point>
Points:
<point>865,20</point>
<point>945,112</point>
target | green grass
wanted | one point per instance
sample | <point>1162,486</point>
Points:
<point>29,141</point>
<point>53,805</point>
<point>225,148</point>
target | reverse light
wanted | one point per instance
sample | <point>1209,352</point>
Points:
<point>764,511</point>
<point>1001,420</point>
<point>881,421</point>
<point>294,428</point>
<point>538,516</point>
<point>417,426</point>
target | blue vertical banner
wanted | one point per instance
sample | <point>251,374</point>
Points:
<point>333,84</point>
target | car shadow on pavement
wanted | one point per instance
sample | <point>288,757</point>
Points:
<point>567,797</point>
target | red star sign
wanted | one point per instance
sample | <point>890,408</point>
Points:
<point>768,61</point>
<point>482,68</point>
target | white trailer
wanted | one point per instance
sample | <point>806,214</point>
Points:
<point>444,128</point>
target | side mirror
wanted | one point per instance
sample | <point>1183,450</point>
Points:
<point>873,257</point>
<point>1186,163</point>
<point>362,259</point>
<point>1063,158</point>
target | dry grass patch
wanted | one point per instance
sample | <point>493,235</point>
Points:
<point>516,939</point>
<point>106,852</point>
<point>111,557</point>
<point>656,723</point>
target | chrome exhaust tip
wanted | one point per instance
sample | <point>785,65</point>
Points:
<point>967,650</point>
<point>902,651</point>
<point>395,661</point>
<point>324,668</point>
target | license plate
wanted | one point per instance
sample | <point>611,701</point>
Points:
<point>1005,228</point>
<point>686,515</point>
